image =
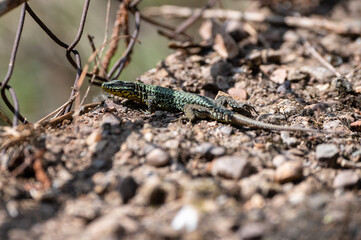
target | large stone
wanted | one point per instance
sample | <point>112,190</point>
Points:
<point>157,158</point>
<point>234,167</point>
<point>345,179</point>
<point>327,153</point>
<point>289,171</point>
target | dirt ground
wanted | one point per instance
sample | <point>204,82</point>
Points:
<point>119,172</point>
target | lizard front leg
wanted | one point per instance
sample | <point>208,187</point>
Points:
<point>151,103</point>
<point>242,108</point>
<point>193,112</point>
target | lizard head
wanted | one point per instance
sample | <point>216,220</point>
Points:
<point>119,88</point>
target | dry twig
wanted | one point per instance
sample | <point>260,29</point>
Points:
<point>40,174</point>
<point>341,27</point>
<point>350,164</point>
<point>120,22</point>
<point>319,58</point>
<point>187,23</point>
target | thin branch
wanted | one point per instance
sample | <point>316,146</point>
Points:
<point>77,56</point>
<point>350,164</point>
<point>187,23</point>
<point>162,25</point>
<point>316,55</point>
<point>4,85</point>
<point>97,59</point>
<point>116,32</point>
<point>4,117</point>
<point>344,27</point>
<point>41,121</point>
<point>106,33</point>
<point>119,65</point>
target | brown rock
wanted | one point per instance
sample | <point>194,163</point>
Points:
<point>252,231</point>
<point>128,188</point>
<point>113,225</point>
<point>225,45</point>
<point>234,167</point>
<point>356,126</point>
<point>345,179</point>
<point>94,137</point>
<point>279,76</point>
<point>289,171</point>
<point>238,94</point>
<point>327,153</point>
<point>157,158</point>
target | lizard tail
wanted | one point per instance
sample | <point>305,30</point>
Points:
<point>241,120</point>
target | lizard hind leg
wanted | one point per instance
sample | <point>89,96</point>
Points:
<point>193,112</point>
<point>151,103</point>
<point>242,108</point>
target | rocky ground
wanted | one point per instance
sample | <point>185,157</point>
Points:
<point>118,172</point>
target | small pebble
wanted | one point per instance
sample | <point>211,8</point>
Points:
<point>358,89</point>
<point>203,149</point>
<point>345,178</point>
<point>217,151</point>
<point>94,137</point>
<point>178,167</point>
<point>278,160</point>
<point>238,94</point>
<point>157,158</point>
<point>172,144</point>
<point>208,150</point>
<point>318,200</point>
<point>225,46</point>
<point>320,106</point>
<point>287,139</point>
<point>296,198</point>
<point>147,148</point>
<point>233,167</point>
<point>114,225</point>
<point>289,171</point>
<point>85,208</point>
<point>284,87</point>
<point>221,68</point>
<point>356,155</point>
<point>252,231</point>
<point>186,219</point>
<point>128,188</point>
<point>12,208</point>
<point>111,119</point>
<point>333,125</point>
<point>356,126</point>
<point>327,153</point>
<point>225,130</point>
<point>148,136</point>
<point>279,76</point>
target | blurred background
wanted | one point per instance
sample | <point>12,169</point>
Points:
<point>43,77</point>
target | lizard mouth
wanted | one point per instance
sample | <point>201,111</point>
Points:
<point>107,86</point>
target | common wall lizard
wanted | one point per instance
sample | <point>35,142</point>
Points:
<point>192,105</point>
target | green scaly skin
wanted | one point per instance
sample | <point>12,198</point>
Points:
<point>192,105</point>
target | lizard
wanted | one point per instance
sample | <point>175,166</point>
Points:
<point>193,106</point>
